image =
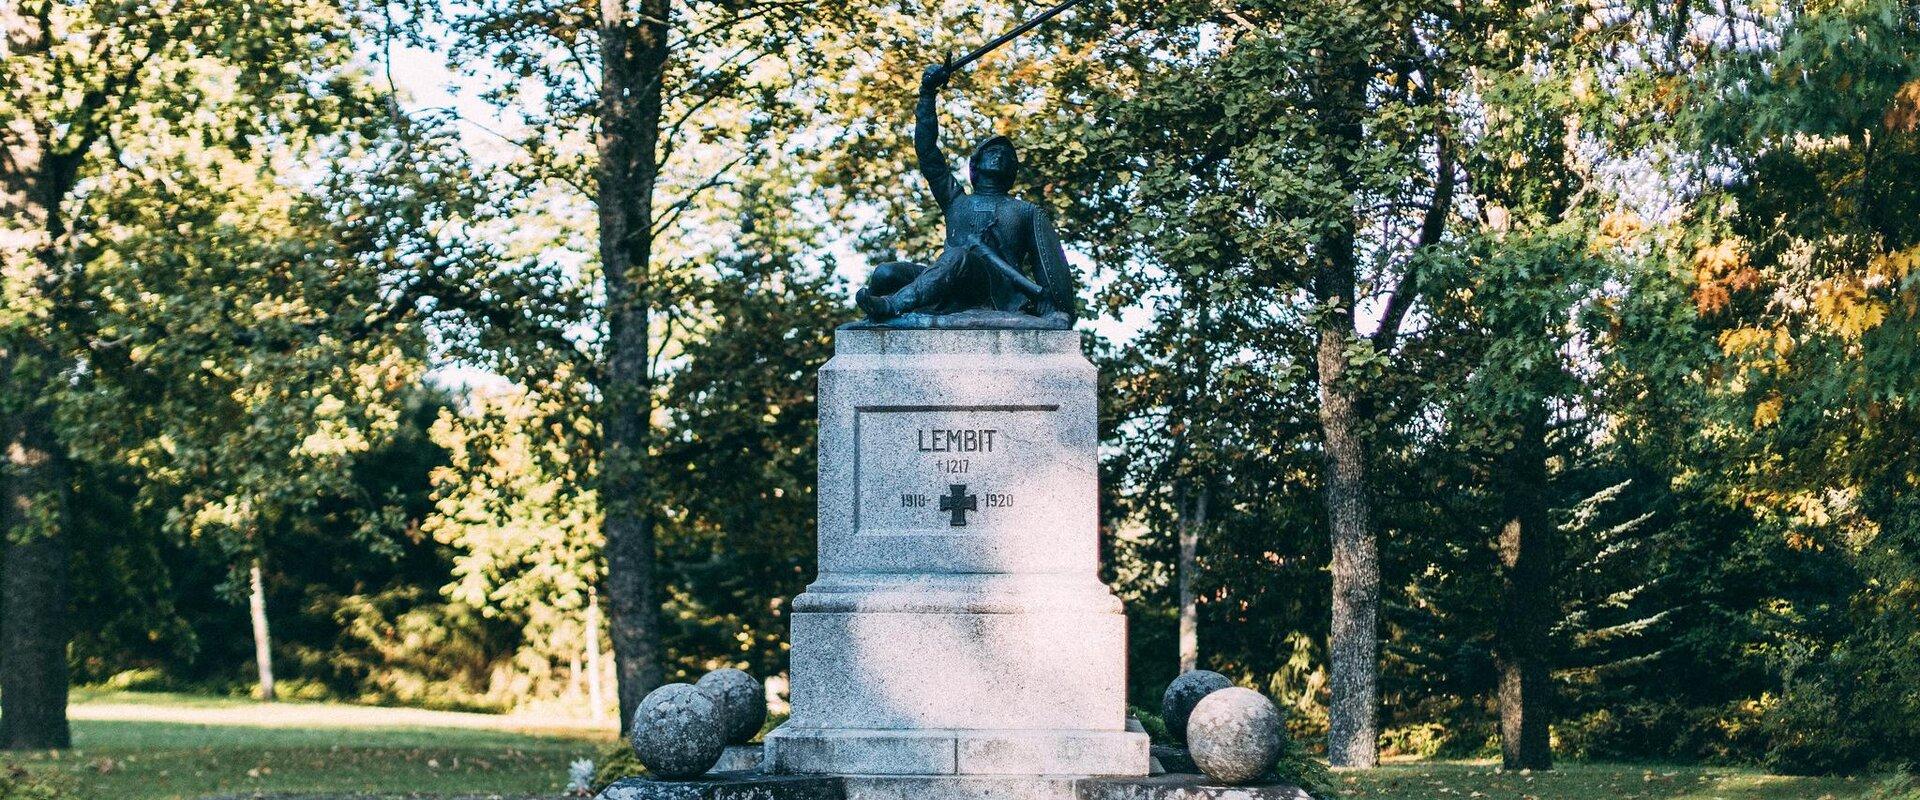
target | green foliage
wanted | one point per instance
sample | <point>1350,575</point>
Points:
<point>615,764</point>
<point>1592,781</point>
<point>1155,725</point>
<point>17,783</point>
<point>1672,250</point>
<point>1901,786</point>
<point>1298,766</point>
<point>1815,411</point>
<point>524,538</point>
<point>744,396</point>
<point>1852,705</point>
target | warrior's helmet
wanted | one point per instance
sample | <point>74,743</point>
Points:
<point>994,165</point>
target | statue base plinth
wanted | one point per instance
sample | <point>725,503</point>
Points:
<point>958,626</point>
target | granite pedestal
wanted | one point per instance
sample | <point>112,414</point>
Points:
<point>958,626</point>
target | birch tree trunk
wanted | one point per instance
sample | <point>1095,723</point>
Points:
<point>633,52</point>
<point>262,638</point>
<point>1192,520</point>
<point>596,672</point>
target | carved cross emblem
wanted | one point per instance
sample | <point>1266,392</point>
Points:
<point>959,502</point>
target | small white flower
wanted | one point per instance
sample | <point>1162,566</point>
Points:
<point>580,776</point>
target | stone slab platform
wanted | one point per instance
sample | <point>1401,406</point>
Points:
<point>729,786</point>
<point>959,787</point>
<point>758,786</point>
<point>1179,786</point>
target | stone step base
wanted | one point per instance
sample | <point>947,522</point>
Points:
<point>958,787</point>
<point>980,787</point>
<point>729,786</point>
<point>755,786</point>
<point>1182,787</point>
<point>1162,787</point>
<point>821,751</point>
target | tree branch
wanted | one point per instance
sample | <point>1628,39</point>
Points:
<point>673,212</point>
<point>1432,228</point>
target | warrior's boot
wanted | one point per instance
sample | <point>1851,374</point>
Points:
<point>879,308</point>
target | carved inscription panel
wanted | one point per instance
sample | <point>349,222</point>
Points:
<point>958,469</point>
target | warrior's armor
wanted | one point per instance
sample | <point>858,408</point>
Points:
<point>1001,252</point>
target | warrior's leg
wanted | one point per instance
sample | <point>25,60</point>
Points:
<point>885,280</point>
<point>932,284</point>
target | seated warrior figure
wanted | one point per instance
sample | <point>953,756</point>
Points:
<point>1002,266</point>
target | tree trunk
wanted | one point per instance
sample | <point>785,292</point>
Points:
<point>596,674</point>
<point>1353,646</point>
<point>262,639</point>
<point>34,617</point>
<point>1526,600</point>
<point>35,622</point>
<point>1192,519</point>
<point>633,53</point>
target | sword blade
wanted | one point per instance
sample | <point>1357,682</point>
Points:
<point>1012,34</point>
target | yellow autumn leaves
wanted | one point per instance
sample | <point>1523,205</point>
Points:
<point>1845,305</point>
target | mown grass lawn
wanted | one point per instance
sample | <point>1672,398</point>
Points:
<point>148,746</point>
<point>1482,781</point>
<point>139,746</point>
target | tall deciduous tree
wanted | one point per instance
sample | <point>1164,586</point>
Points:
<point>82,80</point>
<point>1519,417</point>
<point>1300,145</point>
<point>282,318</point>
<point>525,531</point>
<point>1807,271</point>
<point>645,108</point>
<point>246,391</point>
<point>634,49</point>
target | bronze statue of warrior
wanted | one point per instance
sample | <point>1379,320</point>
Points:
<point>1002,265</point>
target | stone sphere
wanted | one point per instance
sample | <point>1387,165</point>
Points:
<point>743,704</point>
<point>1185,693</point>
<point>676,732</point>
<point>1235,735</point>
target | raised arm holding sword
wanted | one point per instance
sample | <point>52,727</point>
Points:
<point>1002,265</point>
